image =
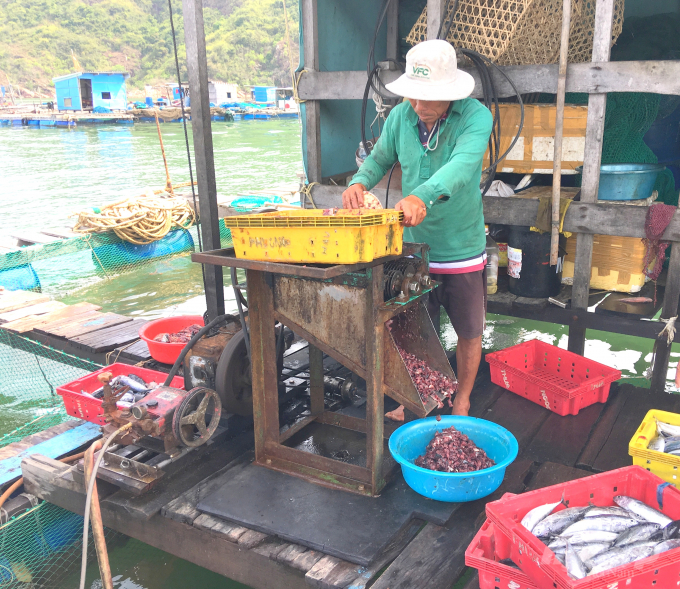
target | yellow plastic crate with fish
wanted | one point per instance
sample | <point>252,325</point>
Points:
<point>666,466</point>
<point>318,236</point>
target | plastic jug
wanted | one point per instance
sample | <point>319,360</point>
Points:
<point>491,265</point>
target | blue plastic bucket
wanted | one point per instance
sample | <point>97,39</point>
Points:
<point>410,441</point>
<point>626,181</point>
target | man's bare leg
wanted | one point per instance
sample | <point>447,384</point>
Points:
<point>468,356</point>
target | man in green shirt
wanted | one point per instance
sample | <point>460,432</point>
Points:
<point>439,136</point>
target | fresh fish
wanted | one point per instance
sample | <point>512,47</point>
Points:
<point>539,513</point>
<point>557,522</point>
<point>614,510</point>
<point>587,537</point>
<point>658,444</point>
<point>128,382</point>
<point>588,551</point>
<point>574,564</point>
<point>670,447</point>
<point>619,556</point>
<point>642,509</point>
<point>635,300</point>
<point>674,452</point>
<point>667,545</point>
<point>561,558</point>
<point>127,398</point>
<point>636,534</point>
<point>606,523</point>
<point>672,530</point>
<point>667,429</point>
<point>138,379</point>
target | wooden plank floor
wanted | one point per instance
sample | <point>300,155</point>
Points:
<point>553,449</point>
<point>80,329</point>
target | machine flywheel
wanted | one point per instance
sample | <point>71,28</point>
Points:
<point>197,417</point>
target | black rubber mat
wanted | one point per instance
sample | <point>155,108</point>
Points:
<point>342,524</point>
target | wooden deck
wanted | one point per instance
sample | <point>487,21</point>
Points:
<point>81,330</point>
<point>553,449</point>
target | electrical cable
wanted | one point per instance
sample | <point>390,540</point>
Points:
<point>186,141</point>
<point>88,500</point>
<point>489,93</point>
<point>241,314</point>
<point>190,344</point>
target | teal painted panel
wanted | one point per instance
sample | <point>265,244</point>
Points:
<point>10,468</point>
<point>346,29</point>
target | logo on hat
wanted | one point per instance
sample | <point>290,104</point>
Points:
<point>420,70</point>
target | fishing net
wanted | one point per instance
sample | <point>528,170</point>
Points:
<point>59,267</point>
<point>522,32</point>
<point>42,548</point>
<point>29,376</point>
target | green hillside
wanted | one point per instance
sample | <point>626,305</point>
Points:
<point>245,40</point>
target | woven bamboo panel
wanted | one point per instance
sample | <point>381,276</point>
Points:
<point>521,32</point>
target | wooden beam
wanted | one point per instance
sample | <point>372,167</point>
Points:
<point>197,69</point>
<point>659,77</point>
<point>594,218</point>
<point>435,15</point>
<point>312,107</point>
<point>597,105</point>
<point>393,30</point>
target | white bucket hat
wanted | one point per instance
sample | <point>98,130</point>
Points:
<point>432,74</point>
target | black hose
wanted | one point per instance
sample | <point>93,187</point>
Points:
<point>241,314</point>
<point>185,350</point>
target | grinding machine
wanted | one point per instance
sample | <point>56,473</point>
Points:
<point>361,315</point>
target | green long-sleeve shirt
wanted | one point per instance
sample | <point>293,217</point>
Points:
<point>454,225</point>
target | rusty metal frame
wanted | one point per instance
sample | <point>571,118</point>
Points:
<point>267,284</point>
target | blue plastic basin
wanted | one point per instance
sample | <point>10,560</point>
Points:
<point>626,181</point>
<point>409,442</point>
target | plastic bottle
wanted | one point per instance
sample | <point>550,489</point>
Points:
<point>491,264</point>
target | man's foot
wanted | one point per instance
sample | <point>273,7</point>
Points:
<point>460,406</point>
<point>397,414</point>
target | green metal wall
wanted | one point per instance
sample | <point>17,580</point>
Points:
<point>345,33</point>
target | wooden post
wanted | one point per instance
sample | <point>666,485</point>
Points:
<point>312,108</point>
<point>197,66</point>
<point>597,104</point>
<point>375,400</point>
<point>263,363</point>
<point>559,132</point>
<point>435,15</point>
<point>670,309</point>
<point>393,30</point>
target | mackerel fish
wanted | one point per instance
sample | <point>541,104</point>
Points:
<point>642,509</point>
<point>575,567</point>
<point>539,513</point>
<point>666,545</point>
<point>606,523</point>
<point>617,557</point>
<point>558,522</point>
<point>586,537</point>
<point>636,533</point>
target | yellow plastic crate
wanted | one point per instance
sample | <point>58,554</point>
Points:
<point>661,464</point>
<point>316,237</point>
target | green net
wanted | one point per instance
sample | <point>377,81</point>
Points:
<point>57,268</point>
<point>42,547</point>
<point>29,376</point>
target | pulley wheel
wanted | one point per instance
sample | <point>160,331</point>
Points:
<point>233,379</point>
<point>197,417</point>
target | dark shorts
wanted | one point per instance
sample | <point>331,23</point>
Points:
<point>464,298</point>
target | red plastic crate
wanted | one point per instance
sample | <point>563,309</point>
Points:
<point>560,380</point>
<point>487,548</point>
<point>90,409</point>
<point>538,561</point>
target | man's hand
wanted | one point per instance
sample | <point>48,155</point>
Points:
<point>414,209</point>
<point>353,197</point>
